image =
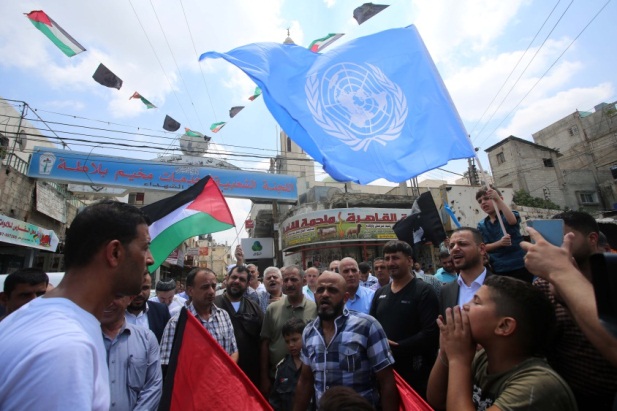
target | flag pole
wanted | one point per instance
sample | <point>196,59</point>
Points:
<point>486,185</point>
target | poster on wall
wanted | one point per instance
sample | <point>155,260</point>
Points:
<point>340,225</point>
<point>256,248</point>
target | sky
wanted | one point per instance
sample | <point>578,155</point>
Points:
<point>512,68</point>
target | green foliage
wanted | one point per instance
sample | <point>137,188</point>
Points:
<point>523,198</point>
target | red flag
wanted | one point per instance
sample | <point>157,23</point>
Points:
<point>410,400</point>
<point>201,375</point>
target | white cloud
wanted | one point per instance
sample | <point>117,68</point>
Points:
<point>452,28</point>
<point>329,3</point>
<point>545,111</point>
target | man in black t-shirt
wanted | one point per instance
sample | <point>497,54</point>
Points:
<point>407,309</point>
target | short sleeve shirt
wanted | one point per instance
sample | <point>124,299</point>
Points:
<point>508,258</point>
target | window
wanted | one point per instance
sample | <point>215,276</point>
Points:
<point>501,158</point>
<point>288,145</point>
<point>136,198</point>
<point>573,131</point>
<point>587,197</point>
<point>548,162</point>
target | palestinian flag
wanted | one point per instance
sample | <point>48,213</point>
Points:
<point>256,94</point>
<point>143,100</point>
<point>195,358</point>
<point>191,133</point>
<point>215,127</point>
<point>200,209</point>
<point>63,40</point>
<point>322,43</point>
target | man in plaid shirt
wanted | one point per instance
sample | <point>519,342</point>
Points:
<point>347,348</point>
<point>214,319</point>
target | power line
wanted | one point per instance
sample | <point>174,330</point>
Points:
<point>547,70</point>
<point>158,60</point>
<point>515,66</point>
<point>525,69</point>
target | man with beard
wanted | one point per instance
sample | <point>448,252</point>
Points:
<point>135,376</point>
<point>214,319</point>
<point>346,348</point>
<point>147,314</point>
<point>467,250</point>
<point>53,356</point>
<point>246,317</point>
<point>292,305</point>
<point>407,309</point>
<point>274,287</point>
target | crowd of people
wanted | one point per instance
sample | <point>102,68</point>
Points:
<point>504,324</point>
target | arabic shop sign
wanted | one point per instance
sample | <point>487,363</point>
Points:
<point>74,167</point>
<point>339,225</point>
<point>21,233</point>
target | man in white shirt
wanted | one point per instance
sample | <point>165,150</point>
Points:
<point>467,250</point>
<point>166,294</point>
<point>53,356</point>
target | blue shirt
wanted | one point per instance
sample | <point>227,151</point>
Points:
<point>135,376</point>
<point>358,350</point>
<point>504,259</point>
<point>361,302</point>
<point>444,276</point>
<point>370,281</point>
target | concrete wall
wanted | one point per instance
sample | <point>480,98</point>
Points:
<point>524,169</point>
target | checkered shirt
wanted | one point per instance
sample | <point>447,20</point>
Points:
<point>357,351</point>
<point>219,326</point>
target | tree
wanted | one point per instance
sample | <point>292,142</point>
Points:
<point>523,198</point>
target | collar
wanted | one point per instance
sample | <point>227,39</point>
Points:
<point>338,321</point>
<point>213,311</point>
<point>288,304</point>
<point>478,281</point>
<point>124,329</point>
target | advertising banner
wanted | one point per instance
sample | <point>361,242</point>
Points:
<point>28,235</point>
<point>337,225</point>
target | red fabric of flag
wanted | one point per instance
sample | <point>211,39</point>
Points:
<point>410,400</point>
<point>202,376</point>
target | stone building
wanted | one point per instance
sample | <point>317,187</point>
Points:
<point>569,163</point>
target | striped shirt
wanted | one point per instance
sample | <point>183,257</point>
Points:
<point>358,350</point>
<point>218,325</point>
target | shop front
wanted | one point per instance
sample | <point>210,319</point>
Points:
<point>316,238</point>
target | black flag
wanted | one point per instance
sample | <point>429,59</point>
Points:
<point>424,223</point>
<point>170,124</point>
<point>105,77</point>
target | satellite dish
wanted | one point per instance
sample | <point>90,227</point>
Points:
<point>194,145</point>
<point>22,140</point>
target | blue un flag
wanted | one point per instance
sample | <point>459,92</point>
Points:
<point>372,108</point>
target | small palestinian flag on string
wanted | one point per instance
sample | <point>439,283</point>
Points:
<point>143,100</point>
<point>200,209</point>
<point>191,133</point>
<point>320,44</point>
<point>256,94</point>
<point>215,127</point>
<point>63,40</point>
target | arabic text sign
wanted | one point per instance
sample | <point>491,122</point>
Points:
<point>348,224</point>
<point>91,169</point>
<point>21,233</point>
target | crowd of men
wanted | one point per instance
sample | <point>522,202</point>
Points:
<point>477,334</point>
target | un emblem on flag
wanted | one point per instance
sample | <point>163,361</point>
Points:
<point>357,104</point>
